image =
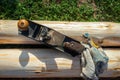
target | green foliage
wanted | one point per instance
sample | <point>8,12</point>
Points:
<point>109,10</point>
<point>7,8</point>
<point>66,10</point>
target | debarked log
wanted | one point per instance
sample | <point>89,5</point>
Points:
<point>104,33</point>
<point>49,63</point>
<point>53,63</point>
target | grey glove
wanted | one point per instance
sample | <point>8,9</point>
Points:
<point>94,61</point>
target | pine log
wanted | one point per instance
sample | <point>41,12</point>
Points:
<point>104,33</point>
<point>49,63</point>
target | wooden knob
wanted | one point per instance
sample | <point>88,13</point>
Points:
<point>23,24</point>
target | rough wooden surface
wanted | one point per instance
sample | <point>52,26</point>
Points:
<point>107,32</point>
<point>53,63</point>
<point>49,63</point>
<point>98,29</point>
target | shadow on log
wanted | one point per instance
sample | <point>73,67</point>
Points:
<point>49,63</point>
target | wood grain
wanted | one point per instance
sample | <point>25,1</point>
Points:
<point>107,32</point>
<point>49,63</point>
<point>104,42</point>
